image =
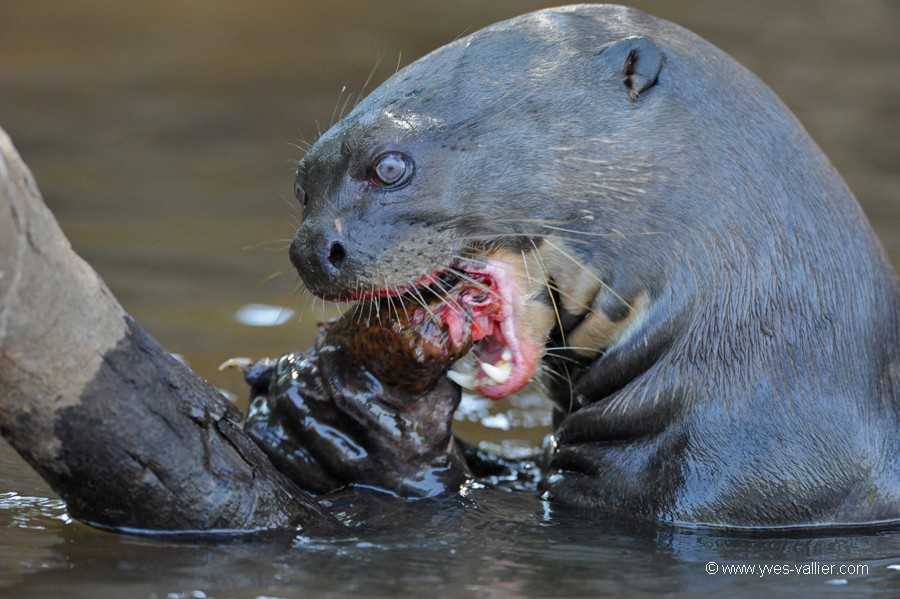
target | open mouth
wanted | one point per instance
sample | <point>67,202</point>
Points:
<point>484,301</point>
<point>486,304</point>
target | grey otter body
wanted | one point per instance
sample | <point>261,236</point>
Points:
<point>720,327</point>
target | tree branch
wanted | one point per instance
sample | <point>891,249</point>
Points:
<point>128,436</point>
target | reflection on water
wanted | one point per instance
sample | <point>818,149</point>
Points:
<point>31,512</point>
<point>491,543</point>
<point>261,315</point>
<point>163,134</point>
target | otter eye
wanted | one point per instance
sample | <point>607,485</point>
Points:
<point>392,169</point>
<point>300,193</point>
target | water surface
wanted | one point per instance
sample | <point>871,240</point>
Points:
<point>163,136</point>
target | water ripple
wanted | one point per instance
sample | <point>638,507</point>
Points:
<point>32,512</point>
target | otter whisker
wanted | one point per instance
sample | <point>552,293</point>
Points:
<point>611,234</point>
<point>445,296</point>
<point>303,141</point>
<point>304,148</point>
<point>552,352</point>
<point>551,373</point>
<point>499,237</point>
<point>465,277</point>
<point>362,90</point>
<point>391,304</point>
<point>371,304</point>
<point>379,277</point>
<point>292,220</point>
<point>299,289</point>
<point>483,218</point>
<point>393,291</point>
<point>553,286</point>
<point>272,245</point>
<point>417,296</point>
<point>463,33</point>
<point>293,205</point>
<point>336,104</point>
<point>525,264</point>
<point>344,107</point>
<point>552,298</point>
<point>307,301</point>
<point>478,261</point>
<point>527,276</point>
<point>272,276</point>
<point>589,272</point>
<point>389,299</point>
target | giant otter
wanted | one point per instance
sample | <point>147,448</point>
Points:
<point>713,316</point>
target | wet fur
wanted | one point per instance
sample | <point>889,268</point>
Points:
<point>742,323</point>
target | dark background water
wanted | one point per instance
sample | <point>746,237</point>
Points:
<point>163,136</point>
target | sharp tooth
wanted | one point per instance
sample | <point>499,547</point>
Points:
<point>506,355</point>
<point>466,381</point>
<point>499,373</point>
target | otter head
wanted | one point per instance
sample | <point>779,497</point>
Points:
<point>460,167</point>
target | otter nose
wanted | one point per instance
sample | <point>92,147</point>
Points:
<point>320,258</point>
<point>336,255</point>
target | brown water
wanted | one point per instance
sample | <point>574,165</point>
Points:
<point>163,134</point>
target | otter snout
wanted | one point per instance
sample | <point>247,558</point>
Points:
<point>320,258</point>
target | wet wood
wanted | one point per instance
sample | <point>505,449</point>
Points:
<point>130,438</point>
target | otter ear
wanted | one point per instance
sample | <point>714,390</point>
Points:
<point>637,60</point>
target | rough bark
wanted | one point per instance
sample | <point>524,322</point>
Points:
<point>130,438</point>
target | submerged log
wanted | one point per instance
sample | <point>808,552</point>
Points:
<point>129,437</point>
